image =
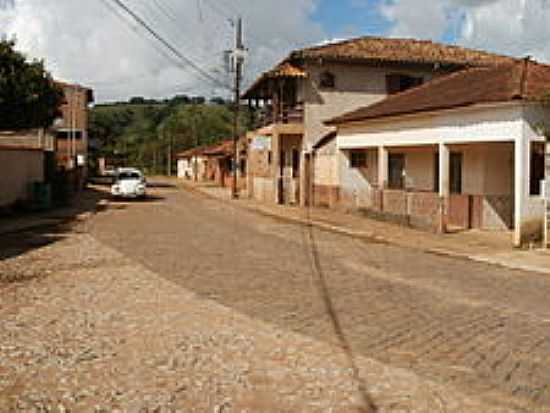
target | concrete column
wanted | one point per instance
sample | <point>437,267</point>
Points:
<point>304,179</point>
<point>444,185</point>
<point>383,167</point>
<point>522,160</point>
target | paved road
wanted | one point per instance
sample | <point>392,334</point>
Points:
<point>482,329</point>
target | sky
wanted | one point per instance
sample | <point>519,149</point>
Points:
<point>92,42</point>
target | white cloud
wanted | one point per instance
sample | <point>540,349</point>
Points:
<point>87,42</point>
<point>515,27</point>
<point>410,19</point>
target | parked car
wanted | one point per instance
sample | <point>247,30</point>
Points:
<point>129,183</point>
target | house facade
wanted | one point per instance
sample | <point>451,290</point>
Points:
<point>71,131</point>
<point>215,164</point>
<point>319,83</point>
<point>191,165</point>
<point>463,151</point>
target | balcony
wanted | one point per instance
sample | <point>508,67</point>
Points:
<point>288,115</point>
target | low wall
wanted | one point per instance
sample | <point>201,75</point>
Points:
<point>262,189</point>
<point>415,209</point>
<point>424,209</point>
<point>18,169</point>
<point>241,182</point>
<point>326,196</point>
<point>532,224</point>
<point>498,212</point>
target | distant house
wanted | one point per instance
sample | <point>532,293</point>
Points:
<point>463,151</point>
<point>220,163</point>
<point>214,163</point>
<point>191,164</point>
<point>315,84</point>
<point>71,132</point>
<point>32,156</point>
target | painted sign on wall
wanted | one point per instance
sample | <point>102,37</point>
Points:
<point>261,143</point>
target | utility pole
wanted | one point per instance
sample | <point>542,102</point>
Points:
<point>196,154</point>
<point>238,60</point>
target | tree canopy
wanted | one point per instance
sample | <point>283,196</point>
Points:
<point>29,97</point>
<point>149,135</point>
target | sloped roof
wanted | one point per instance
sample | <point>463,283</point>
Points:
<point>189,153</point>
<point>381,50</point>
<point>224,148</point>
<point>521,80</point>
<point>400,50</point>
<point>282,70</point>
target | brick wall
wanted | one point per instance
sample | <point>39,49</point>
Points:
<point>424,209</point>
<point>395,202</point>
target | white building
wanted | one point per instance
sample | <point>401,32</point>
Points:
<point>463,150</point>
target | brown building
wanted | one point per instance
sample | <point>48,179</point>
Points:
<point>71,130</point>
<point>318,83</point>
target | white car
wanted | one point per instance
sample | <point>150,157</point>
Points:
<point>129,183</point>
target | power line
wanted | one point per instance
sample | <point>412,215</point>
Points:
<point>166,44</point>
<point>137,32</point>
<point>168,12</point>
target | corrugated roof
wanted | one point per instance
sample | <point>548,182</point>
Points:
<point>521,80</point>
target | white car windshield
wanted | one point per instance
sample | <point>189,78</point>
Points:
<point>125,176</point>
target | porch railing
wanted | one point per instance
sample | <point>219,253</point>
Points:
<point>288,114</point>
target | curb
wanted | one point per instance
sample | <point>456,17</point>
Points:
<point>372,237</point>
<point>368,236</point>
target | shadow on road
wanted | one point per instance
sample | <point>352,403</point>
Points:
<point>368,405</point>
<point>27,231</point>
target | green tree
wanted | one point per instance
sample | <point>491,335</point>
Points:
<point>29,97</point>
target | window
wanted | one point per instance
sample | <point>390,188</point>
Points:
<point>358,159</point>
<point>295,163</point>
<point>269,157</point>
<point>396,83</point>
<point>537,168</point>
<point>396,166</point>
<point>436,172</point>
<point>328,80</point>
<point>456,173</point>
<point>61,135</point>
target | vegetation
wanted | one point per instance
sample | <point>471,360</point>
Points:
<point>148,133</point>
<point>28,96</point>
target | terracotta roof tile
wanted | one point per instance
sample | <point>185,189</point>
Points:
<point>282,70</point>
<point>506,82</point>
<point>400,50</point>
<point>380,50</point>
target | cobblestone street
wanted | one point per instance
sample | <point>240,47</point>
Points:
<point>183,303</point>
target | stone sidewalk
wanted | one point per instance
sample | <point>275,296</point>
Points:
<point>482,246</point>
